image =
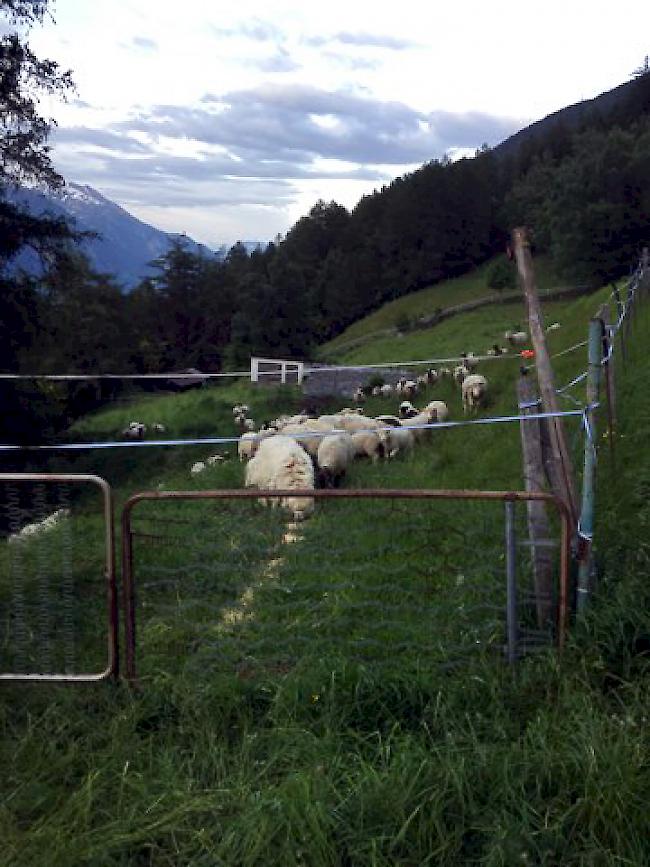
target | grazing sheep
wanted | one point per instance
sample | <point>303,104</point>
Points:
<point>399,439</point>
<point>359,396</point>
<point>444,372</point>
<point>213,460</point>
<point>386,389</point>
<point>354,423</point>
<point>309,434</point>
<point>249,442</point>
<point>388,420</point>
<point>400,386</point>
<point>469,360</point>
<point>370,444</point>
<point>554,327</point>
<point>516,338</point>
<point>39,527</point>
<point>135,431</point>
<point>422,379</point>
<point>158,428</point>
<point>439,408</point>
<point>335,452</point>
<point>410,388</point>
<point>460,372</point>
<point>197,468</point>
<point>474,392</point>
<point>406,409</point>
<point>495,350</point>
<point>280,463</point>
<point>240,409</point>
<point>426,417</point>
<point>376,391</point>
<point>432,376</point>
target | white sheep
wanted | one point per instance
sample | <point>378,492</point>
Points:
<point>406,409</point>
<point>370,443</point>
<point>280,463</point>
<point>249,442</point>
<point>516,338</point>
<point>213,460</point>
<point>399,439</point>
<point>309,434</point>
<point>425,417</point>
<point>197,468</point>
<point>422,379</point>
<point>158,428</point>
<point>460,372</point>
<point>359,396</point>
<point>386,389</point>
<point>240,409</point>
<point>39,527</point>
<point>335,452</point>
<point>554,327</point>
<point>376,391</point>
<point>474,392</point>
<point>410,388</point>
<point>439,407</point>
<point>432,376</point>
<point>135,431</point>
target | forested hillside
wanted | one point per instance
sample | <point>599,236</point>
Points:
<point>583,187</point>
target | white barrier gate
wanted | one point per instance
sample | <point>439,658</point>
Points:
<point>277,370</point>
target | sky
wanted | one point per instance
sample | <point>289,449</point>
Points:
<point>229,120</point>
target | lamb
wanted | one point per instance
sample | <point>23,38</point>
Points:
<point>280,463</point>
<point>439,407</point>
<point>516,338</point>
<point>474,392</point>
<point>335,452</point>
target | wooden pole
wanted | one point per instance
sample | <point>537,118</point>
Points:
<point>586,528</point>
<point>538,523</point>
<point>563,476</point>
<point>621,330</point>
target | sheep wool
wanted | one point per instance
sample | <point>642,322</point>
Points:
<point>474,392</point>
<point>280,463</point>
<point>335,452</point>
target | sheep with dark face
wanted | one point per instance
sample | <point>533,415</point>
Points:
<point>335,453</point>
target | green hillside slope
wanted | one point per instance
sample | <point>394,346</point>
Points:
<point>222,759</point>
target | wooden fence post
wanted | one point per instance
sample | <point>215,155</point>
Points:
<point>586,526</point>
<point>538,523</point>
<point>563,477</point>
<point>620,331</point>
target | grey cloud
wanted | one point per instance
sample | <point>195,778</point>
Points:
<point>351,62</point>
<point>145,42</point>
<point>370,40</point>
<point>103,138</point>
<point>280,62</point>
<point>259,31</point>
<point>276,122</point>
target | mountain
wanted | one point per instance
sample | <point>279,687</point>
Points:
<point>125,245</point>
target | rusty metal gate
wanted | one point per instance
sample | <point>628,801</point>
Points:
<point>406,578</point>
<point>58,597</point>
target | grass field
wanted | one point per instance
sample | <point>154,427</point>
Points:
<point>299,716</point>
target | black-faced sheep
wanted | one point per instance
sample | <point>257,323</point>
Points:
<point>335,452</point>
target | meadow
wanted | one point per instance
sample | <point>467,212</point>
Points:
<point>295,705</point>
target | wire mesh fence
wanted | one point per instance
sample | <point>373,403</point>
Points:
<point>382,578</point>
<point>58,603</point>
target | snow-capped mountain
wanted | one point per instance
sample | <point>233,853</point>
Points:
<point>125,247</point>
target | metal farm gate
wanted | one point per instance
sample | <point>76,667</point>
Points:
<point>403,579</point>
<point>58,597</point>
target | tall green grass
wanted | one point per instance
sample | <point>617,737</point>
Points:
<point>354,763</point>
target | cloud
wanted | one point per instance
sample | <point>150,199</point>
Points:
<point>281,122</point>
<point>257,30</point>
<point>363,40</point>
<point>145,43</point>
<point>280,62</point>
<point>101,138</point>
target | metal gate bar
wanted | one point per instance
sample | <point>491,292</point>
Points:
<point>129,590</point>
<point>112,665</point>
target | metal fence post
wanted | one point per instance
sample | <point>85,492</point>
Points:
<point>511,583</point>
<point>586,524</point>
